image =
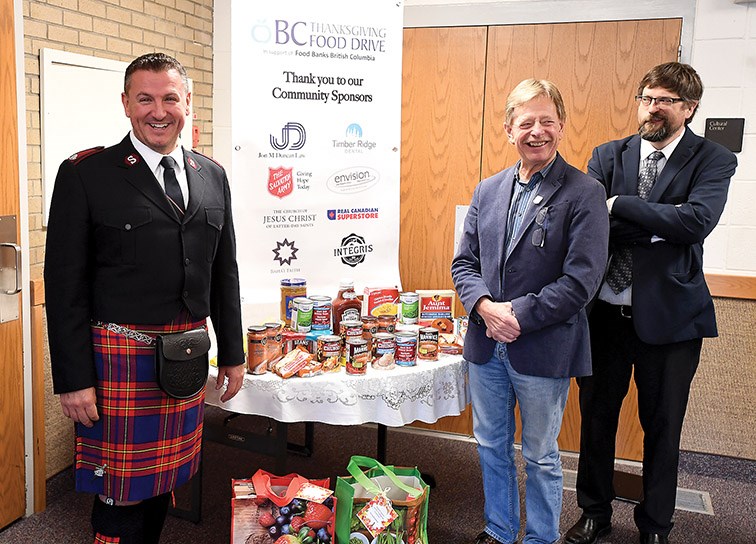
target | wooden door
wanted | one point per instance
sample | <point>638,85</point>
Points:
<point>12,497</point>
<point>596,66</point>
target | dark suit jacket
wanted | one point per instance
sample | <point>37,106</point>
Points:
<point>118,252</point>
<point>671,301</point>
<point>549,284</point>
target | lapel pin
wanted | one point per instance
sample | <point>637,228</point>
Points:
<point>538,199</point>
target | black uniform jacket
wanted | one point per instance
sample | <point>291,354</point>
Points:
<point>118,252</point>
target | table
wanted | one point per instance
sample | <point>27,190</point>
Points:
<point>426,392</point>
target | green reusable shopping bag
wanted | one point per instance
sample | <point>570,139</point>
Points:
<point>404,487</point>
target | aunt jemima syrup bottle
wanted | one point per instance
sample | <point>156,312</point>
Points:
<point>346,305</point>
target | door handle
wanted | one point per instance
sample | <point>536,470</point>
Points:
<point>17,250</point>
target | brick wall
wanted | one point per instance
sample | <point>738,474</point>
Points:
<point>119,30</point>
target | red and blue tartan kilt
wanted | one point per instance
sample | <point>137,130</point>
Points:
<point>145,442</point>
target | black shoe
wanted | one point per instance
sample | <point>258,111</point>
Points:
<point>586,531</point>
<point>485,538</point>
<point>653,538</point>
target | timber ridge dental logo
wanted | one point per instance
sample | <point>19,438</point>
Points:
<point>353,142</point>
<point>353,250</point>
<point>285,252</point>
<point>352,180</point>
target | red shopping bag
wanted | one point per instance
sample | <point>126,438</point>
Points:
<point>265,507</point>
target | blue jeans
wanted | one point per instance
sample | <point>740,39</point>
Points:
<point>495,386</point>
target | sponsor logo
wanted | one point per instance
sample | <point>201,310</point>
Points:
<point>287,219</point>
<point>353,250</point>
<point>280,181</point>
<point>285,252</point>
<point>353,142</point>
<point>352,213</point>
<point>293,137</point>
<point>352,180</point>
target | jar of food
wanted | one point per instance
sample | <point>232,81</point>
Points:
<point>369,329</point>
<point>387,323</point>
<point>291,288</point>
<point>273,342</point>
<point>358,356</point>
<point>256,340</point>
<point>427,344</point>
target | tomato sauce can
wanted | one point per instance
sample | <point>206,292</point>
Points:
<point>406,349</point>
<point>358,356</point>
<point>257,338</point>
<point>427,344</point>
<point>321,312</point>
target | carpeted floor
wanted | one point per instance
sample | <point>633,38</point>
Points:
<point>455,506</point>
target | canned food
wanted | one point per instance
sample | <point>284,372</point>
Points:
<point>427,344</point>
<point>384,344</point>
<point>406,349</point>
<point>256,340</point>
<point>290,340</point>
<point>301,315</point>
<point>329,345</point>
<point>347,330</point>
<point>369,329</point>
<point>410,304</point>
<point>321,312</point>
<point>358,356</point>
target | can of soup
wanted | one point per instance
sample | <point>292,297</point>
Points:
<point>321,312</point>
<point>427,344</point>
<point>406,349</point>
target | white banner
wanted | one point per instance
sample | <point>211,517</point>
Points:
<point>316,131</point>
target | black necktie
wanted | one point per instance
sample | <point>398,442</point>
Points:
<point>620,273</point>
<point>172,188</point>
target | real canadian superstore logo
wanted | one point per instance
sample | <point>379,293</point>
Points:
<point>340,214</point>
<point>353,250</point>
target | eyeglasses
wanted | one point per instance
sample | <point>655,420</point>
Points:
<point>662,101</point>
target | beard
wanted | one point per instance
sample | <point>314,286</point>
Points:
<point>647,132</point>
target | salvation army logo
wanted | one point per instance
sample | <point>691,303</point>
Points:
<point>285,252</point>
<point>353,250</point>
<point>280,181</point>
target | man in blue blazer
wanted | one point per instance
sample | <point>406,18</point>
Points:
<point>531,257</point>
<point>654,307</point>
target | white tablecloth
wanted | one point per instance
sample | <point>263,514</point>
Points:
<point>426,392</point>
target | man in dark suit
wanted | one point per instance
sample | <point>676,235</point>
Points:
<point>667,188</point>
<point>531,257</point>
<point>140,242</point>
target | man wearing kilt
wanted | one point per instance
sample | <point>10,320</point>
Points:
<point>140,243</point>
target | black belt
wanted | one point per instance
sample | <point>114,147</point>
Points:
<point>620,309</point>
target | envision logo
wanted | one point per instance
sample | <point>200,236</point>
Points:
<point>294,143</point>
<point>353,250</point>
<point>352,180</point>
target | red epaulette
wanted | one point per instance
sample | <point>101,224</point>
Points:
<point>79,156</point>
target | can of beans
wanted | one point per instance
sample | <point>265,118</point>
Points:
<point>321,312</point>
<point>358,356</point>
<point>256,340</point>
<point>427,344</point>
<point>406,349</point>
<point>410,304</point>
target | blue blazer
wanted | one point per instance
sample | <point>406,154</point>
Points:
<point>549,284</point>
<point>671,301</point>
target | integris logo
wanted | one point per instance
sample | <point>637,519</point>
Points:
<point>353,250</point>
